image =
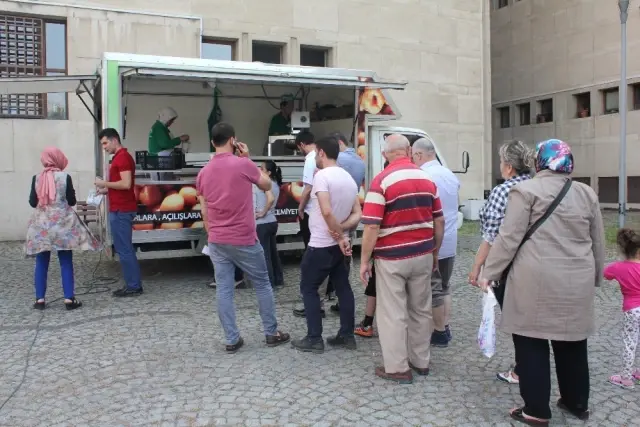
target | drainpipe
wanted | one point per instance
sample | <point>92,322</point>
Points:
<point>110,9</point>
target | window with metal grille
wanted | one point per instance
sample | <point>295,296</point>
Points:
<point>32,46</point>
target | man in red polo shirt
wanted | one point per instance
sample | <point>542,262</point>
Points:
<point>403,229</point>
<point>122,209</point>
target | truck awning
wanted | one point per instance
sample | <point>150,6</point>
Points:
<point>46,84</point>
<point>311,77</point>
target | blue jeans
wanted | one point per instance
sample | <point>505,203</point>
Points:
<point>66,269</point>
<point>121,230</point>
<point>318,264</point>
<point>249,259</point>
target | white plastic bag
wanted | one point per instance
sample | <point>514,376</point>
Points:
<point>487,331</point>
<point>94,199</point>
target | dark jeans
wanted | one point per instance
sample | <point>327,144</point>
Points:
<point>66,270</point>
<point>267,236</point>
<point>330,287</point>
<point>304,230</point>
<point>122,231</point>
<point>572,370</point>
<point>317,265</point>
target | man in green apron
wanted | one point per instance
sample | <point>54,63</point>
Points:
<point>281,122</point>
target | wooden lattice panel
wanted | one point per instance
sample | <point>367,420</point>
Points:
<point>21,54</point>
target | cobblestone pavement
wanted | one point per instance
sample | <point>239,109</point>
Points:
<point>159,360</point>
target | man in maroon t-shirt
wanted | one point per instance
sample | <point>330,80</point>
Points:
<point>226,198</point>
<point>122,209</point>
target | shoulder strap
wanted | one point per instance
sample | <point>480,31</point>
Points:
<point>552,207</point>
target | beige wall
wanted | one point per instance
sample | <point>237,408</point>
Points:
<point>441,48</point>
<point>557,49</point>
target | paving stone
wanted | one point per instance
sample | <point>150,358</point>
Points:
<point>159,359</point>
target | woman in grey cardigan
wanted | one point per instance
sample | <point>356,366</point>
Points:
<point>551,285</point>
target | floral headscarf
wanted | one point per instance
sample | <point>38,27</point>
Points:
<point>554,155</point>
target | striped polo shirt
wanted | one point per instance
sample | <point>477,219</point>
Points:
<point>404,202</point>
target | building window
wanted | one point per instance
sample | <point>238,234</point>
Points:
<point>583,105</point>
<point>314,56</point>
<point>501,3</point>
<point>633,189</point>
<point>505,120</point>
<point>545,108</point>
<point>636,96</point>
<point>611,100</point>
<point>269,53</point>
<point>218,49</point>
<point>583,179</point>
<point>524,111</point>
<point>608,189</point>
<point>31,46</point>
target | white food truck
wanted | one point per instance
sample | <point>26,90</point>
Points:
<point>128,90</point>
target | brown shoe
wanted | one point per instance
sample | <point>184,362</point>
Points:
<point>399,377</point>
<point>278,339</point>
<point>420,371</point>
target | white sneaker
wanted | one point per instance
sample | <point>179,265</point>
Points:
<point>508,377</point>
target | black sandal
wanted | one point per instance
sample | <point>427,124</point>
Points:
<point>73,304</point>
<point>519,415</point>
<point>581,415</point>
<point>39,305</point>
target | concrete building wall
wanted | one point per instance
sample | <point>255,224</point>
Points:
<point>558,51</point>
<point>441,48</point>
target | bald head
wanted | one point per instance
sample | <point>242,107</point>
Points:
<point>396,146</point>
<point>423,151</point>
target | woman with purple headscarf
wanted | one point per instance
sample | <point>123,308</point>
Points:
<point>552,245</point>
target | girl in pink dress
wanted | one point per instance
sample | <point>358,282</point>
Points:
<point>627,274</point>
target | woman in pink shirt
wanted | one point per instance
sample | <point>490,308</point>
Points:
<point>627,274</point>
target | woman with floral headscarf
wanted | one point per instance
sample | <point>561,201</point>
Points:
<point>551,284</point>
<point>55,226</point>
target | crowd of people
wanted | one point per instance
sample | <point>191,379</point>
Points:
<point>542,253</point>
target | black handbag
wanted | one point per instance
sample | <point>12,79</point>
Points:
<point>500,288</point>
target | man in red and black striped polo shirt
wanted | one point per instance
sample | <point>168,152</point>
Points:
<point>403,230</point>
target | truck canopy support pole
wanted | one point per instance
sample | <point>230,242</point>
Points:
<point>93,100</point>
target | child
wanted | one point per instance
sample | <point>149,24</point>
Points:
<point>365,328</point>
<point>627,274</point>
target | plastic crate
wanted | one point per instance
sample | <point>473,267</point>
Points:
<point>154,162</point>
